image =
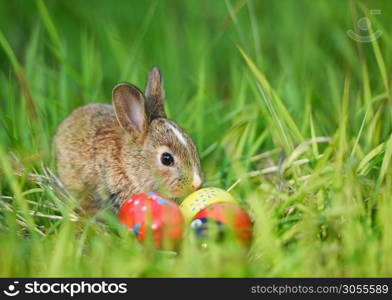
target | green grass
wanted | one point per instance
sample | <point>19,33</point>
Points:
<point>284,107</point>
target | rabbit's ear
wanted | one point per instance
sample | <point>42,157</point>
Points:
<point>128,104</point>
<point>155,94</point>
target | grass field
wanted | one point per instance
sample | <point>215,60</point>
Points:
<point>285,108</point>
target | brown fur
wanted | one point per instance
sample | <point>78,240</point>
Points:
<point>105,152</point>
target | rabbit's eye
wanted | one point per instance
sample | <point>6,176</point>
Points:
<point>167,159</point>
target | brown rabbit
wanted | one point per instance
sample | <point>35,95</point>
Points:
<point>108,153</point>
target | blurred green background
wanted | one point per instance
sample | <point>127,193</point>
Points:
<point>278,98</point>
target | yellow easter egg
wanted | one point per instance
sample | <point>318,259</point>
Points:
<point>199,199</point>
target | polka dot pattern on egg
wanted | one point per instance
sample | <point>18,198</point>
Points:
<point>152,216</point>
<point>200,199</point>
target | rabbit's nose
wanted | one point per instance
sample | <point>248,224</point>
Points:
<point>196,181</point>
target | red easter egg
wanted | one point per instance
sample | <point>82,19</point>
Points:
<point>149,215</point>
<point>225,215</point>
